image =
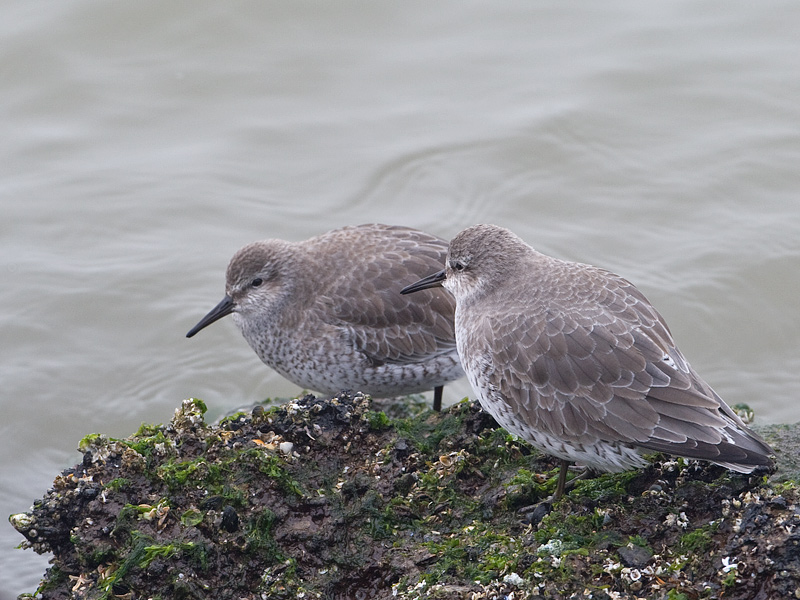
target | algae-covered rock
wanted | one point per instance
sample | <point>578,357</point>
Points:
<point>332,498</point>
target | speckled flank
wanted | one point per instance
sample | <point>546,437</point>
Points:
<point>576,361</point>
<point>326,313</point>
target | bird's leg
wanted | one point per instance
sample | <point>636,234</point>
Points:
<point>562,485</point>
<point>437,398</point>
<point>536,511</point>
<point>562,480</point>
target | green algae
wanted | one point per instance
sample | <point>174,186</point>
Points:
<point>142,553</point>
<point>118,483</point>
<point>197,405</point>
<point>524,489</point>
<point>90,440</point>
<point>273,467</point>
<point>605,487</point>
<point>147,430</point>
<point>427,430</point>
<point>191,517</point>
<point>475,552</point>
<point>230,420</point>
<point>378,420</point>
<point>154,551</point>
<point>197,472</point>
<point>563,531</point>
<point>698,541</point>
<point>154,441</point>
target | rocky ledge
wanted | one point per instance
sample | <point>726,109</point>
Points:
<point>338,498</point>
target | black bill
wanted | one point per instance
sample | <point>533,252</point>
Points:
<point>222,309</point>
<point>430,281</point>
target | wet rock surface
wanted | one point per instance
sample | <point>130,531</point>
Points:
<point>346,498</point>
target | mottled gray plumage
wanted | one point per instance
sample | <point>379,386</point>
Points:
<point>326,313</point>
<point>575,360</point>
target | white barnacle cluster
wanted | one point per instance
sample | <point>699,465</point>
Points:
<point>188,417</point>
<point>101,447</point>
<point>632,576</point>
<point>21,521</point>
<point>115,448</point>
<point>611,566</point>
<point>513,579</point>
<point>293,407</point>
<point>744,412</point>
<point>551,548</point>
<point>677,520</point>
<point>671,465</point>
<point>653,576</point>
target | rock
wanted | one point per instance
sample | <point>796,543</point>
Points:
<point>329,498</point>
<point>635,556</point>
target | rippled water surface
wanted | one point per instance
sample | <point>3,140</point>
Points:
<point>143,143</point>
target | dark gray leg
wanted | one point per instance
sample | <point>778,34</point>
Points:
<point>437,397</point>
<point>562,480</point>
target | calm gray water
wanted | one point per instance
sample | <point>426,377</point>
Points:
<point>143,143</point>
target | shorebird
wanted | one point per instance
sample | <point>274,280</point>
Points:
<point>575,360</point>
<point>326,312</point>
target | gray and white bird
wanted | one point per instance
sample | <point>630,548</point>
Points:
<point>326,312</point>
<point>576,361</point>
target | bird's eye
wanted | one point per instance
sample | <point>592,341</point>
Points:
<point>256,282</point>
<point>457,266</point>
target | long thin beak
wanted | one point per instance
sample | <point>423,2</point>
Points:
<point>222,309</point>
<point>430,281</point>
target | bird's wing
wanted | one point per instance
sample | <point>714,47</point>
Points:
<point>610,370</point>
<point>366,304</point>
